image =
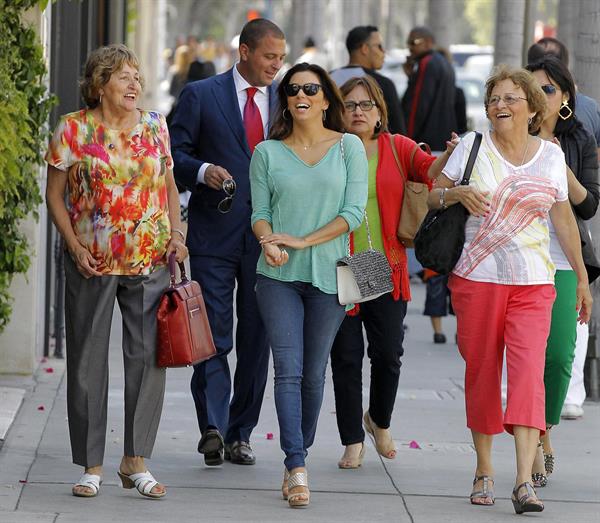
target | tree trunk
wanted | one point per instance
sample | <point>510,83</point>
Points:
<point>529,27</point>
<point>440,19</point>
<point>587,50</point>
<point>568,16</point>
<point>510,20</point>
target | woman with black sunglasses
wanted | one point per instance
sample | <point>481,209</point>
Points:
<point>309,189</point>
<point>561,125</point>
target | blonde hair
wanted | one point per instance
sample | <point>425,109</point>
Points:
<point>536,99</point>
<point>99,67</point>
<point>375,93</point>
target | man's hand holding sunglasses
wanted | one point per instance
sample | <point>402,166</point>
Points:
<point>214,176</point>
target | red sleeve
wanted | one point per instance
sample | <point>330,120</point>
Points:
<point>415,165</point>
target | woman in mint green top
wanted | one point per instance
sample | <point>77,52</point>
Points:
<point>309,189</point>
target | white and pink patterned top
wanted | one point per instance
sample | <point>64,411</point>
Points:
<point>510,246</point>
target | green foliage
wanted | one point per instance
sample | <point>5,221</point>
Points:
<point>24,108</point>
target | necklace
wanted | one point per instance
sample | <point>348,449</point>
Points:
<point>522,159</point>
<point>307,147</point>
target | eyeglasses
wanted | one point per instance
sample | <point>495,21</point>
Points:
<point>549,89</point>
<point>414,41</point>
<point>365,105</point>
<point>509,99</point>
<point>309,89</point>
<point>228,187</point>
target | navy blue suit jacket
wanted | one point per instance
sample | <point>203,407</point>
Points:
<point>208,127</point>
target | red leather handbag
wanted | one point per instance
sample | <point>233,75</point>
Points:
<point>184,336</point>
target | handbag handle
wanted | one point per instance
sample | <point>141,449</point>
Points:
<point>173,272</point>
<point>472,158</point>
<point>365,213</point>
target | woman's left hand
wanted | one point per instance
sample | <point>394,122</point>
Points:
<point>177,246</point>
<point>584,302</point>
<point>452,143</point>
<point>286,240</point>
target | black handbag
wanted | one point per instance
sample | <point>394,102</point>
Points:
<point>590,259</point>
<point>440,239</point>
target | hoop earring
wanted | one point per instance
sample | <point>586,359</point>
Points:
<point>324,114</point>
<point>529,120</point>
<point>565,105</point>
<point>283,113</point>
<point>378,124</point>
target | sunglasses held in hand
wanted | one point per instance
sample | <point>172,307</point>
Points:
<point>229,188</point>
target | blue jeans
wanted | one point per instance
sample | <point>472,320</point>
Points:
<point>301,323</point>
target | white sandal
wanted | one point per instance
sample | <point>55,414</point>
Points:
<point>298,499</point>
<point>90,481</point>
<point>144,482</point>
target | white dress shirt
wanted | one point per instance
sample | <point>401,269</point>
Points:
<point>261,98</point>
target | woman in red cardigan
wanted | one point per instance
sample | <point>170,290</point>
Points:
<point>366,116</point>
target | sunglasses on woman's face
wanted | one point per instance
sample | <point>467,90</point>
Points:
<point>228,187</point>
<point>549,89</point>
<point>309,89</point>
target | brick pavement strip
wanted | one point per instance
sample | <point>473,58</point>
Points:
<point>430,484</point>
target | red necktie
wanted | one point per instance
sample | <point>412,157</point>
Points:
<point>252,120</point>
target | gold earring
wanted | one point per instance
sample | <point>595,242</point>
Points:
<point>565,105</point>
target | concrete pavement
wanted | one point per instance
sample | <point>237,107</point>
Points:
<point>430,484</point>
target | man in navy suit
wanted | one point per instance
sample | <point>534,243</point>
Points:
<point>215,128</point>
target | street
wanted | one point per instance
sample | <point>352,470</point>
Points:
<point>426,484</point>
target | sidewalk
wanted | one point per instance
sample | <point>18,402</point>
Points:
<point>430,484</point>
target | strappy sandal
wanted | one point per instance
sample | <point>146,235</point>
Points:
<point>549,463</point>
<point>144,482</point>
<point>355,462</point>
<point>386,449</point>
<point>90,481</point>
<point>486,493</point>
<point>528,502</point>
<point>298,499</point>
<point>284,486</point>
<point>539,479</point>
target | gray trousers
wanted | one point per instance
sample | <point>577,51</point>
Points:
<point>89,305</point>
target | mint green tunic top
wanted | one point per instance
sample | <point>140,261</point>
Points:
<point>361,240</point>
<point>297,199</point>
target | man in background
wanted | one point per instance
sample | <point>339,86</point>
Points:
<point>429,100</point>
<point>367,54</point>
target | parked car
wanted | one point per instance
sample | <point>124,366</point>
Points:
<point>473,86</point>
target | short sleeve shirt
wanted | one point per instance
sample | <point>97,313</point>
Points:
<point>511,245</point>
<point>116,189</point>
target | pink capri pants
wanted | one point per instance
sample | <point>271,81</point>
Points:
<point>492,316</point>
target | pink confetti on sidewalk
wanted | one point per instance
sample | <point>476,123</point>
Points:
<point>49,370</point>
<point>41,407</point>
<point>269,435</point>
<point>413,445</point>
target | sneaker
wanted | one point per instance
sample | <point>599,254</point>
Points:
<point>571,411</point>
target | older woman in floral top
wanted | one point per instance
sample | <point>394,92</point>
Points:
<point>120,221</point>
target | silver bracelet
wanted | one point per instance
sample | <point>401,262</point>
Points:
<point>443,198</point>
<point>178,231</point>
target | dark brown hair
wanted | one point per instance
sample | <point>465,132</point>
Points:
<point>256,29</point>
<point>375,94</point>
<point>282,127</point>
<point>99,67</point>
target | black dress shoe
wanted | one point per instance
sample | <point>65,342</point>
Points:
<point>439,338</point>
<point>240,452</point>
<point>211,445</point>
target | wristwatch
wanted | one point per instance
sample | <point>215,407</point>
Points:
<point>443,198</point>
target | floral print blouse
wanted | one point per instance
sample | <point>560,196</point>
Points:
<point>117,193</point>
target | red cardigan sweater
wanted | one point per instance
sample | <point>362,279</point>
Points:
<point>390,192</point>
